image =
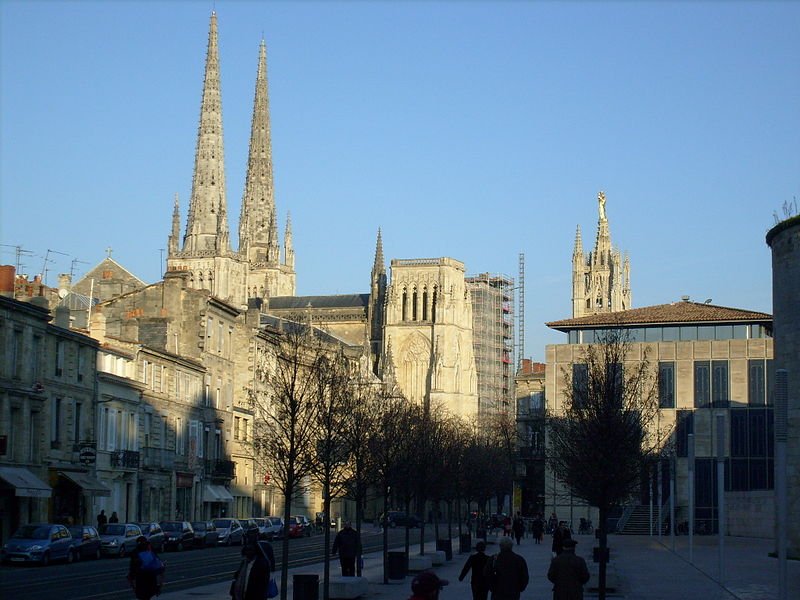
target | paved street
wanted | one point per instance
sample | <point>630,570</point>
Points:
<point>642,568</point>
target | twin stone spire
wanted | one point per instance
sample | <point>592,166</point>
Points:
<point>257,269</point>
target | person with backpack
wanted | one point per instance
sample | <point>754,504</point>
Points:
<point>146,570</point>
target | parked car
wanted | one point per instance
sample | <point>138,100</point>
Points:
<point>321,520</point>
<point>178,535</point>
<point>297,528</point>
<point>274,527</point>
<point>154,534</point>
<point>39,542</point>
<point>396,518</point>
<point>85,542</point>
<point>118,539</point>
<point>263,524</point>
<point>205,533</point>
<point>251,531</point>
<point>277,523</point>
<point>230,531</point>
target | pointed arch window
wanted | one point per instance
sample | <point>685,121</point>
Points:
<point>424,304</point>
<point>414,305</point>
<point>405,305</point>
<point>433,304</point>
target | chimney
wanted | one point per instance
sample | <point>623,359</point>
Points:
<point>7,276</point>
<point>62,316</point>
<point>65,281</point>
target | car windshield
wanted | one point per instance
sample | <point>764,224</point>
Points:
<point>199,525</point>
<point>33,532</point>
<point>169,526</point>
<point>145,527</point>
<point>223,523</point>
<point>77,532</point>
<point>113,529</point>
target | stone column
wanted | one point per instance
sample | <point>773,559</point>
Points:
<point>784,239</point>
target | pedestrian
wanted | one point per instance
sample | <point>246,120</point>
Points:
<point>113,518</point>
<point>507,572</point>
<point>251,579</point>
<point>102,519</point>
<point>145,571</point>
<point>347,544</point>
<point>569,573</point>
<point>560,535</point>
<point>477,564</point>
<point>538,528</point>
<point>426,586</point>
<point>552,523</point>
<point>519,528</point>
<point>507,527</point>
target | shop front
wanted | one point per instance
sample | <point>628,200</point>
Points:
<point>23,499</point>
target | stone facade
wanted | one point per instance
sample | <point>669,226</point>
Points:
<point>428,327</point>
<point>47,409</point>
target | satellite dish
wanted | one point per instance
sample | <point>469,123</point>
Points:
<point>62,293</point>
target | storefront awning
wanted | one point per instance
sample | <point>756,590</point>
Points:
<point>216,493</point>
<point>26,483</point>
<point>87,483</point>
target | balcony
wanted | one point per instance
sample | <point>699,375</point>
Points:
<point>158,458</point>
<point>221,469</point>
<point>125,459</point>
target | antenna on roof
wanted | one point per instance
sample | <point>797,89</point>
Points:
<point>72,267</point>
<point>708,301</point>
<point>47,259</point>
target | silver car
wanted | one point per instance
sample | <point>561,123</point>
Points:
<point>118,539</point>
<point>230,532</point>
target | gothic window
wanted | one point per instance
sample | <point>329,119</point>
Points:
<point>405,305</point>
<point>414,305</point>
<point>433,304</point>
<point>425,304</point>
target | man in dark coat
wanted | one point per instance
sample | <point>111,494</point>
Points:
<point>102,519</point>
<point>347,545</point>
<point>569,573</point>
<point>560,535</point>
<point>507,572</point>
<point>252,577</point>
<point>478,581</point>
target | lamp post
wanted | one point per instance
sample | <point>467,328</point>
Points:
<point>721,493</point>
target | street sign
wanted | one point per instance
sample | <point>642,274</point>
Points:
<point>87,453</point>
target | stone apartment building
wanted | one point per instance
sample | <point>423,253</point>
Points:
<point>47,411</point>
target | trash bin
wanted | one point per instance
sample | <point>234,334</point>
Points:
<point>447,546</point>
<point>464,543</point>
<point>397,565</point>
<point>306,587</point>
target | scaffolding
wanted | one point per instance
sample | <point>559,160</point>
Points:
<point>493,340</point>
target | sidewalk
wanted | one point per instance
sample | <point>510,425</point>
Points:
<point>642,568</point>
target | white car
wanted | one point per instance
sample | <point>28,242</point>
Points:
<point>230,532</point>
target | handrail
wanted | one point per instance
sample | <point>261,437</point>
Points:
<point>626,514</point>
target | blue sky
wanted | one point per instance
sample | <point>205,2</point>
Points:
<point>465,129</point>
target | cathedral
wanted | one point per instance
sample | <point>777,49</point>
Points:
<point>416,328</point>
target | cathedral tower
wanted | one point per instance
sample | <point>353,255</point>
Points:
<point>428,326</point>
<point>377,301</point>
<point>206,253</point>
<point>601,280</point>
<point>258,223</point>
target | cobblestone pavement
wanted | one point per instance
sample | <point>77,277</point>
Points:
<point>641,568</point>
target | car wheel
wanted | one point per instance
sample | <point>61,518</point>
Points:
<point>73,556</point>
<point>122,551</point>
<point>45,559</point>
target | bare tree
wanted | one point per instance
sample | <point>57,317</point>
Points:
<point>335,402</point>
<point>601,442</point>
<point>285,397</point>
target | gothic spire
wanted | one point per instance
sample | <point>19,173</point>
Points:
<point>274,249</point>
<point>258,201</point>
<point>172,243</point>
<point>207,225</point>
<point>288,247</point>
<point>578,250</point>
<point>379,266</point>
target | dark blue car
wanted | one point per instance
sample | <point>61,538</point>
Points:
<point>85,542</point>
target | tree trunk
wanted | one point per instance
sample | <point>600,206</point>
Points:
<point>601,579</point>
<point>326,508</point>
<point>385,526</point>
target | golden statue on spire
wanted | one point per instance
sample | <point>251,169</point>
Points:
<point>601,200</point>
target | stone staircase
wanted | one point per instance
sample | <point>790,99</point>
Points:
<point>639,522</point>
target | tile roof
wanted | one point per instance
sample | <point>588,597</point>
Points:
<point>334,301</point>
<point>664,314</point>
